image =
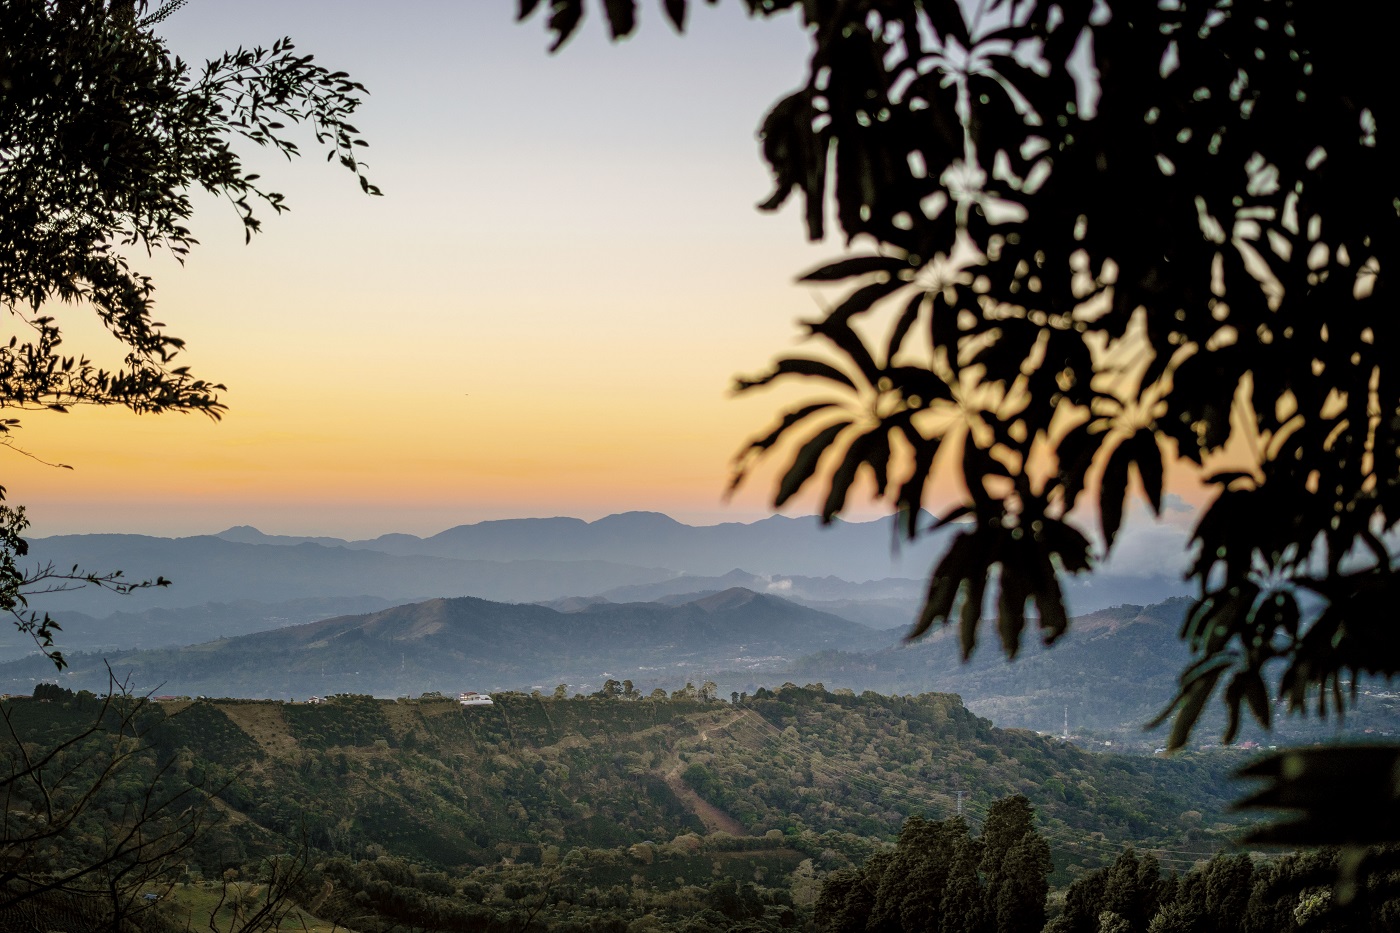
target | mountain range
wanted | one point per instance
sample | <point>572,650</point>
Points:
<point>241,580</point>
<point>461,643</point>
<point>1115,670</point>
<point>774,545</point>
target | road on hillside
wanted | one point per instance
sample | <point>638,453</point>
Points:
<point>711,817</point>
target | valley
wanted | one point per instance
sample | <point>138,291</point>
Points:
<point>647,761</point>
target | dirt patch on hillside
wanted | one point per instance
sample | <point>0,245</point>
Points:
<point>264,723</point>
<point>403,718</point>
<point>710,816</point>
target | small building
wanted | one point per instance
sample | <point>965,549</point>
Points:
<point>315,700</point>
<point>474,699</point>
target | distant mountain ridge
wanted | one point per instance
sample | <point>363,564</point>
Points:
<point>851,570</point>
<point>160,627</point>
<point>452,644</point>
<point>880,604</point>
<point>888,572</point>
<point>778,544</point>
<point>1113,672</point>
<point>206,568</point>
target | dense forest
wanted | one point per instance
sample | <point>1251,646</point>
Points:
<point>549,812</point>
<point>940,878</point>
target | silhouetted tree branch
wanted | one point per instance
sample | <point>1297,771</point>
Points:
<point>92,814</point>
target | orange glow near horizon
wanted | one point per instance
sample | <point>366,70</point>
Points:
<point>542,316</point>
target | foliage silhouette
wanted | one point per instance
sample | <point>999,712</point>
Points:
<point>1096,239</point>
<point>103,134</point>
<point>93,815</point>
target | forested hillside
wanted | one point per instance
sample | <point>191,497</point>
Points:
<point>675,791</point>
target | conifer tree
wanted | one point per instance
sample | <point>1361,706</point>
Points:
<point>844,903</point>
<point>1227,880</point>
<point>1082,906</point>
<point>907,898</point>
<point>1019,899</point>
<point>1131,889</point>
<point>961,907</point>
<point>1015,867</point>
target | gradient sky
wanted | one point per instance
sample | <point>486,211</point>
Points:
<point>541,316</point>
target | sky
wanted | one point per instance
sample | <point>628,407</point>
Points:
<point>542,315</point>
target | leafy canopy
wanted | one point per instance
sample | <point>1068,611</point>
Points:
<point>104,132</point>
<point>1090,239</point>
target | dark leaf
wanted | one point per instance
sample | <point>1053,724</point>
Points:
<point>1193,701</point>
<point>910,498</point>
<point>804,464</point>
<point>1148,458</point>
<point>902,326</point>
<point>564,17</point>
<point>622,17</point>
<point>791,418</point>
<point>944,329</point>
<point>850,343</point>
<point>1011,605</point>
<point>1050,603</point>
<point>1305,781</point>
<point>971,614</point>
<point>796,367</point>
<point>675,12</point>
<point>1257,696</point>
<point>977,463</point>
<point>944,583</point>
<point>1066,543</point>
<point>961,511</point>
<point>844,475</point>
<point>855,265</point>
<point>1113,491</point>
<point>796,157</point>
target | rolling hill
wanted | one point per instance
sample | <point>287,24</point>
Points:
<point>461,643</point>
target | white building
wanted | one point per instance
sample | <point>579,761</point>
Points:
<point>474,699</point>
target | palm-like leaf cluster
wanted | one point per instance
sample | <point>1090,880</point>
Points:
<point>1168,223</point>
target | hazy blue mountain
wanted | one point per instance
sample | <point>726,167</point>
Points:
<point>1114,671</point>
<point>457,644</point>
<point>210,569</point>
<point>634,557</point>
<point>162,628</point>
<point>844,561</point>
<point>891,602</point>
<point>881,604</point>
<point>247,534</point>
<point>788,586</point>
<point>781,545</point>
